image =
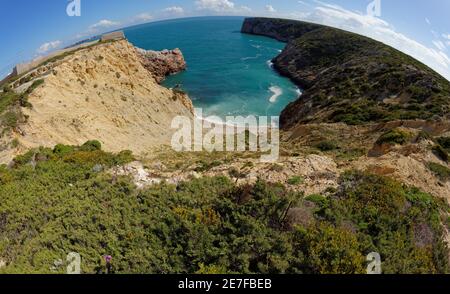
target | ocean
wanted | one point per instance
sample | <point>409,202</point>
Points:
<point>228,73</point>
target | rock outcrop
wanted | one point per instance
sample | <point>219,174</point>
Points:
<point>349,78</point>
<point>162,63</point>
<point>107,93</point>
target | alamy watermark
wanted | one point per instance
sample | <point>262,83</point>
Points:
<point>74,8</point>
<point>374,266</point>
<point>234,134</point>
<point>73,260</point>
<point>374,8</point>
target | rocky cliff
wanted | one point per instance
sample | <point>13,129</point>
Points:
<point>350,78</point>
<point>162,63</point>
<point>108,92</point>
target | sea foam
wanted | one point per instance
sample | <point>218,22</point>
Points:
<point>277,92</point>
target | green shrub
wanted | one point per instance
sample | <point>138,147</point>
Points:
<point>10,119</point>
<point>316,198</point>
<point>325,146</point>
<point>34,85</point>
<point>62,150</point>
<point>444,142</point>
<point>423,135</point>
<point>7,100</point>
<point>440,152</point>
<point>7,89</point>
<point>441,171</point>
<point>395,136</point>
<point>15,143</point>
<point>330,250</point>
<point>92,145</point>
<point>59,205</point>
<point>380,207</point>
<point>297,180</point>
<point>124,157</point>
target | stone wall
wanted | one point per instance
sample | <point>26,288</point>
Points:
<point>113,36</point>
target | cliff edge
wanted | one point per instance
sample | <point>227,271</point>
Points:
<point>107,92</point>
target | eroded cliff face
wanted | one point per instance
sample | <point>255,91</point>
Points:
<point>108,92</point>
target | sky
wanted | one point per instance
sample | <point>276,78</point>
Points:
<point>29,29</point>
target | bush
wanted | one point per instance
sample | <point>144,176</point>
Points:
<point>330,250</point>
<point>325,146</point>
<point>316,198</point>
<point>7,89</point>
<point>444,142</point>
<point>297,180</point>
<point>62,150</point>
<point>423,135</point>
<point>93,145</point>
<point>10,119</point>
<point>209,225</point>
<point>441,171</point>
<point>440,152</point>
<point>394,137</point>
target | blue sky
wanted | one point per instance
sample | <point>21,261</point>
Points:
<point>32,28</point>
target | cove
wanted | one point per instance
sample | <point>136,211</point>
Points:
<point>229,73</point>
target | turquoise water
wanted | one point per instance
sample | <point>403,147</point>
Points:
<point>229,73</point>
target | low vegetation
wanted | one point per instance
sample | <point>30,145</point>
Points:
<point>297,180</point>
<point>352,79</point>
<point>326,145</point>
<point>444,142</point>
<point>395,136</point>
<point>10,104</point>
<point>440,152</point>
<point>61,200</point>
<point>439,170</point>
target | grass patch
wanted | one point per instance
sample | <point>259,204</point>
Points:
<point>10,119</point>
<point>395,136</point>
<point>439,170</point>
<point>316,198</point>
<point>295,181</point>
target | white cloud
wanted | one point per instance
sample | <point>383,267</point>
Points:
<point>378,29</point>
<point>439,44</point>
<point>245,9</point>
<point>48,46</point>
<point>103,24</point>
<point>446,36</point>
<point>269,8</point>
<point>427,21</point>
<point>174,10</point>
<point>143,17</point>
<point>215,5</point>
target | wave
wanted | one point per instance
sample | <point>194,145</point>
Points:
<point>251,57</point>
<point>270,63</point>
<point>277,92</point>
<point>218,121</point>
